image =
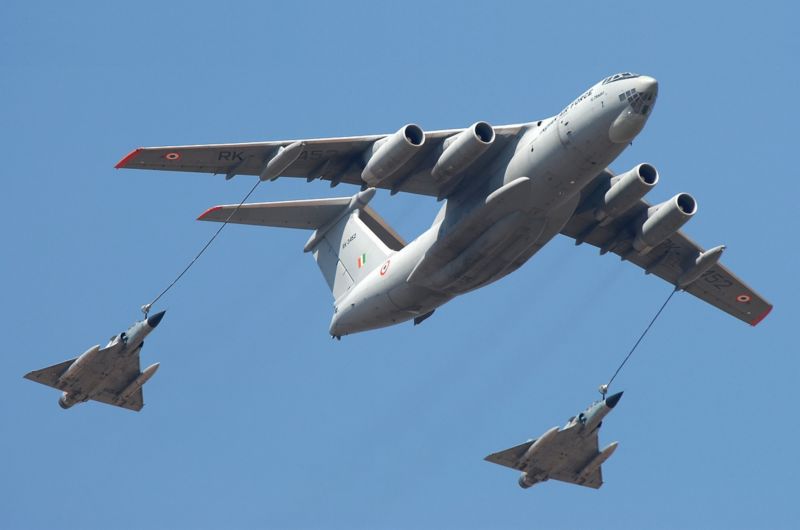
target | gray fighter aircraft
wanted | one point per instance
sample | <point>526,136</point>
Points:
<point>509,190</point>
<point>570,454</point>
<point>108,375</point>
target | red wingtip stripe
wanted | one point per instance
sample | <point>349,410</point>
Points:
<point>212,209</point>
<point>761,317</point>
<point>127,158</point>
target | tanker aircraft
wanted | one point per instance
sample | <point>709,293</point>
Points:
<point>507,190</point>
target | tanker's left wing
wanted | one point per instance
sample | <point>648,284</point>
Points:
<point>332,159</point>
<point>669,260</point>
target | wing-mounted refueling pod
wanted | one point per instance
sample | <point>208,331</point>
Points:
<point>663,220</point>
<point>388,155</point>
<point>703,262</point>
<point>459,152</point>
<point>284,157</point>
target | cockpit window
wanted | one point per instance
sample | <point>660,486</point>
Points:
<point>637,100</point>
<point>617,77</point>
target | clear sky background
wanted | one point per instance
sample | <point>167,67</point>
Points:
<point>257,419</point>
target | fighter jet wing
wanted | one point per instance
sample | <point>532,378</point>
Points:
<point>135,402</point>
<point>116,375</point>
<point>49,376</point>
<point>573,454</point>
<point>718,286</point>
<point>511,457</point>
<point>332,159</point>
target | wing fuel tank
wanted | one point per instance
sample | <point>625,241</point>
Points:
<point>536,448</point>
<point>80,364</point>
<point>597,461</point>
<point>138,383</point>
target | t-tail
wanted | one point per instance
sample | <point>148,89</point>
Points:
<point>349,238</point>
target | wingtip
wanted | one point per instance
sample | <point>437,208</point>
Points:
<point>208,212</point>
<point>127,158</point>
<point>761,317</point>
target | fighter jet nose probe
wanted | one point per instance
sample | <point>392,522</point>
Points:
<point>110,374</point>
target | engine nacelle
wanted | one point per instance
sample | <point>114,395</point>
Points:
<point>67,400</point>
<point>463,149</point>
<point>625,191</point>
<point>664,220</point>
<point>526,481</point>
<point>390,154</point>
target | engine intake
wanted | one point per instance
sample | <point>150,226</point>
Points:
<point>625,191</point>
<point>390,154</point>
<point>664,220</point>
<point>463,149</point>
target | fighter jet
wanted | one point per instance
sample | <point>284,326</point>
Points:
<point>109,375</point>
<point>569,454</point>
<point>509,190</point>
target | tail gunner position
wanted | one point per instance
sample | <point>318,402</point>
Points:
<point>509,190</point>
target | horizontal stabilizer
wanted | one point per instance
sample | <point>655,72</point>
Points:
<point>307,214</point>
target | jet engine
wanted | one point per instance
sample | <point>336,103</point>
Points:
<point>663,220</point>
<point>390,154</point>
<point>463,149</point>
<point>626,190</point>
<point>526,481</point>
<point>66,400</point>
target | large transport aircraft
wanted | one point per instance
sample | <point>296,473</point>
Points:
<point>508,191</point>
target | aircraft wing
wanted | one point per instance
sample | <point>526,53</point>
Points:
<point>511,457</point>
<point>49,376</point>
<point>718,286</point>
<point>561,458</point>
<point>572,455</point>
<point>112,375</point>
<point>103,380</point>
<point>332,159</point>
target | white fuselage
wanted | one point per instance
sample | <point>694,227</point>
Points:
<point>490,228</point>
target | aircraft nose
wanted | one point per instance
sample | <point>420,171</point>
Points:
<point>612,401</point>
<point>647,85</point>
<point>155,319</point>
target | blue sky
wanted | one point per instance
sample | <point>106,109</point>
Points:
<point>256,418</point>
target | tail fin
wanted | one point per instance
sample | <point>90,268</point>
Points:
<point>349,241</point>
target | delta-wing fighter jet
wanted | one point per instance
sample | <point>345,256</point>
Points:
<point>569,454</point>
<point>109,375</point>
<point>509,190</point>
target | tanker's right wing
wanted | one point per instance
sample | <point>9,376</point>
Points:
<point>669,260</point>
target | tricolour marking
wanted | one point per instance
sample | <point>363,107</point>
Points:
<point>743,298</point>
<point>385,267</point>
<point>127,158</point>
<point>173,156</point>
